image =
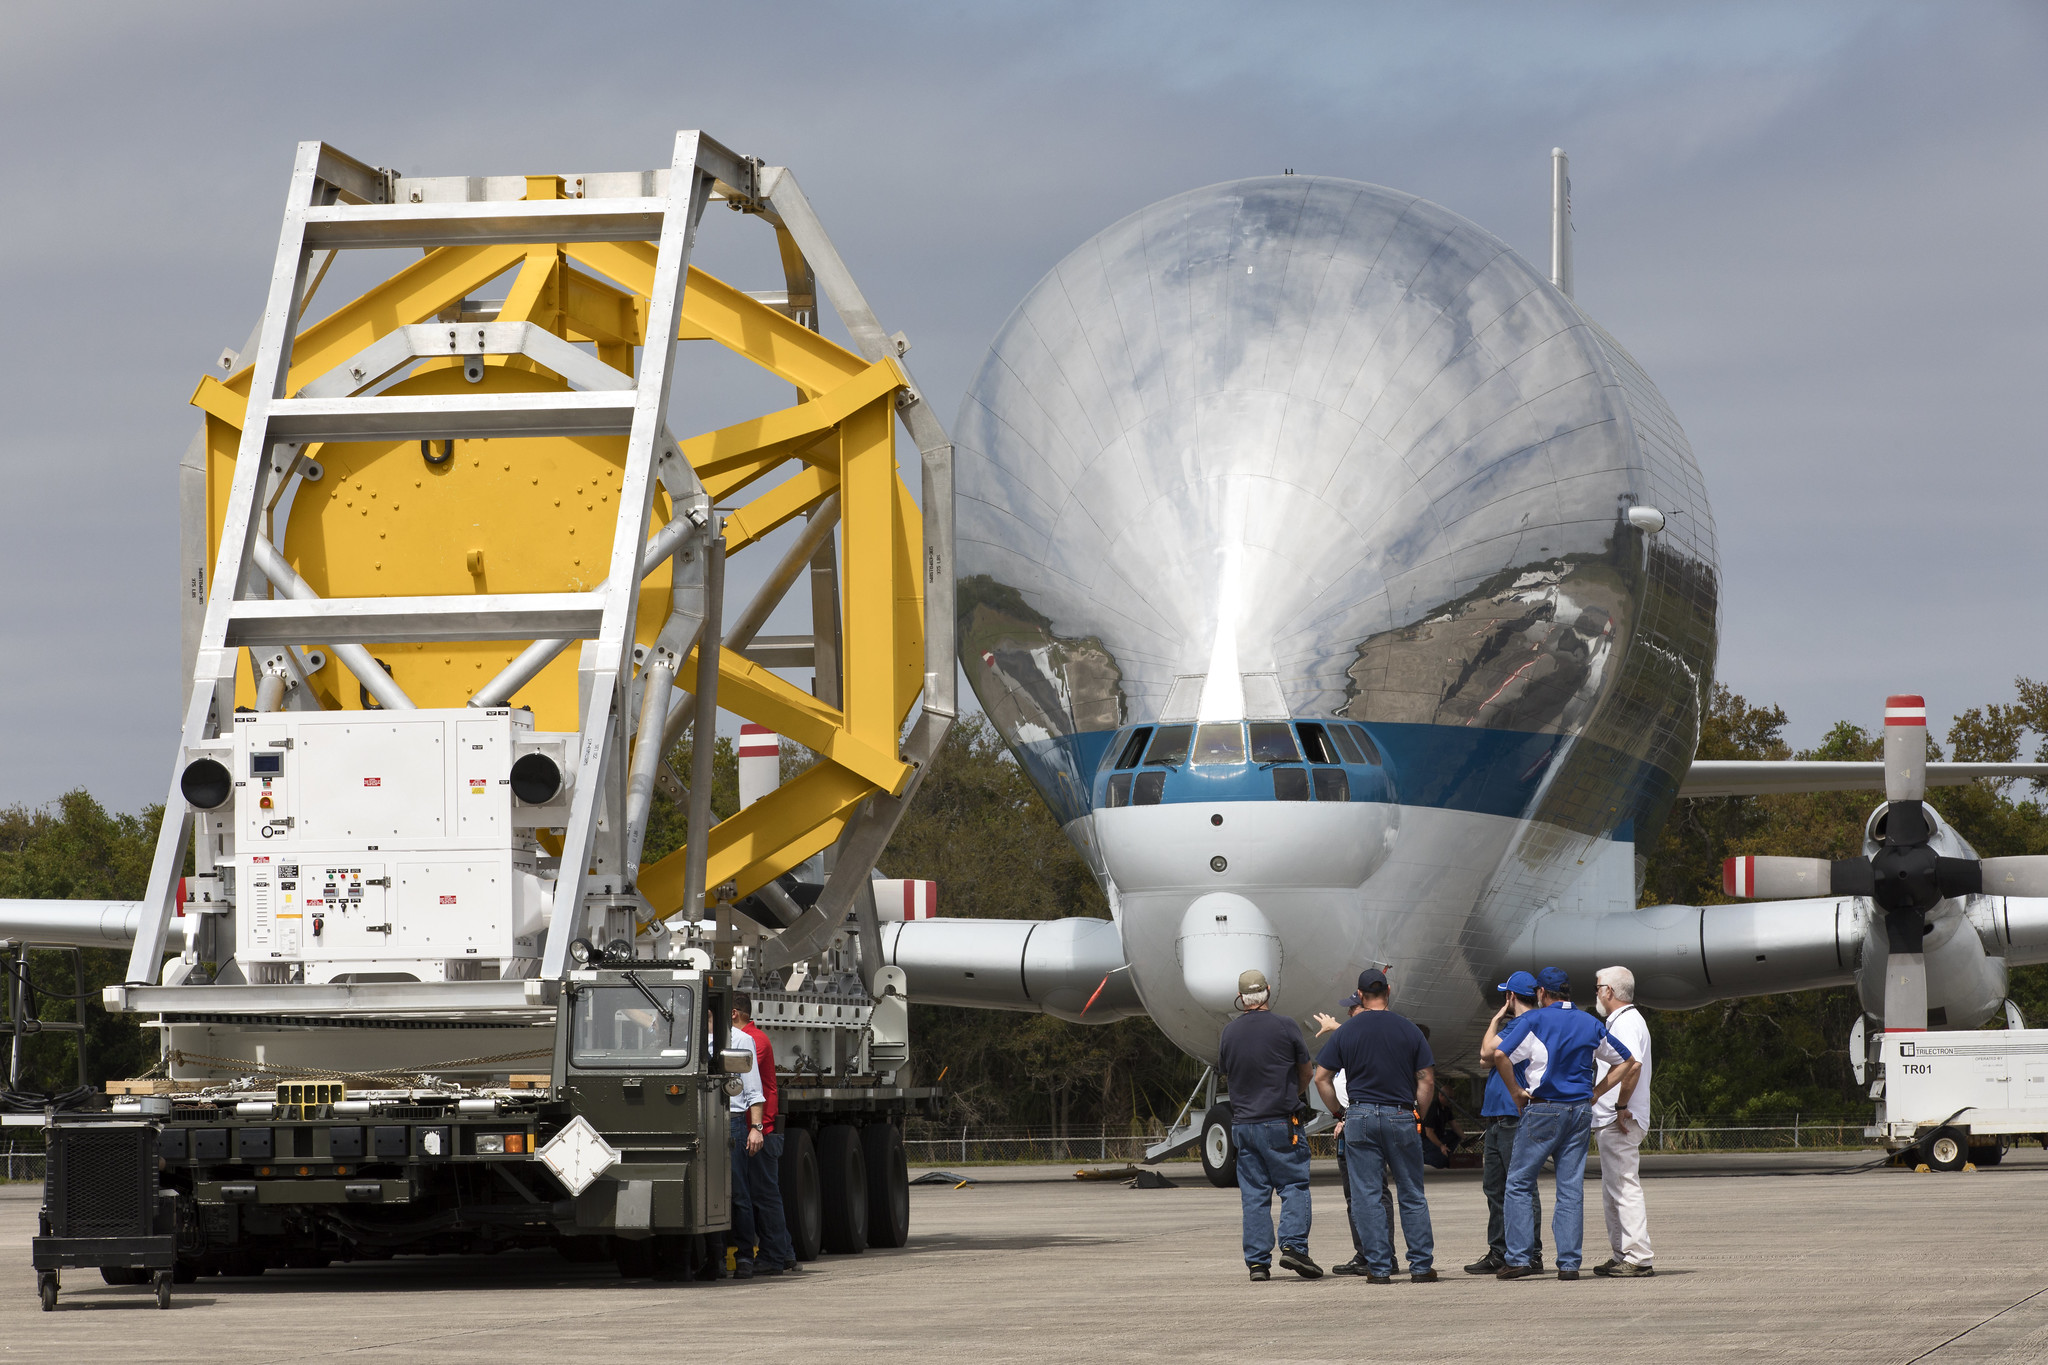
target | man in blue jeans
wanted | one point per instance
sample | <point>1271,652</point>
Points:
<point>1267,1066</point>
<point>1556,1045</point>
<point>1389,1078</point>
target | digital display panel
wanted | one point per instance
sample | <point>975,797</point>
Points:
<point>266,765</point>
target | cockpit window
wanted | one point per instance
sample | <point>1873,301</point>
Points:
<point>1134,747</point>
<point>1219,743</point>
<point>1315,742</point>
<point>1170,745</point>
<point>1120,790</point>
<point>1332,785</point>
<point>1347,742</point>
<point>1273,742</point>
<point>1370,749</point>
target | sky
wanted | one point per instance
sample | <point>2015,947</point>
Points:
<point>1818,227</point>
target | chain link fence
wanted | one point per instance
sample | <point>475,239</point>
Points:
<point>930,1144</point>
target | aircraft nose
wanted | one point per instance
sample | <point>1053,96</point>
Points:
<point>1223,934</point>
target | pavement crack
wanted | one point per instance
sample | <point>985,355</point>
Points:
<point>1974,1326</point>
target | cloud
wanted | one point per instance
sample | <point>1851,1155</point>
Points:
<point>1813,224</point>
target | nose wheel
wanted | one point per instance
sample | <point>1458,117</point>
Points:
<point>1219,1152</point>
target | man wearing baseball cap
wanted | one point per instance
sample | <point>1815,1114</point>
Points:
<point>1389,1079</point>
<point>1559,1045</point>
<point>1267,1064</point>
<point>1503,1118</point>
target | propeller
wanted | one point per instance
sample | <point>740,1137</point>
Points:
<point>1905,877</point>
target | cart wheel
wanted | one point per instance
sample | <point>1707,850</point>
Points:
<point>46,1288</point>
<point>163,1289</point>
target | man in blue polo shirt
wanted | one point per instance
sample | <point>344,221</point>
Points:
<point>1503,1119</point>
<point>1557,1046</point>
<point>1389,1079</point>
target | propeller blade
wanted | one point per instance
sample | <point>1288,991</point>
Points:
<point>2016,876</point>
<point>1905,748</point>
<point>1775,879</point>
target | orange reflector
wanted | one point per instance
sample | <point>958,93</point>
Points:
<point>515,1142</point>
<point>305,1170</point>
<point>263,1170</point>
<point>341,1170</point>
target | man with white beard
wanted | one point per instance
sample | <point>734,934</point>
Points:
<point>1619,1121</point>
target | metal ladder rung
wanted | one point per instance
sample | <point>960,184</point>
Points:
<point>481,224</point>
<point>452,416</point>
<point>361,620</point>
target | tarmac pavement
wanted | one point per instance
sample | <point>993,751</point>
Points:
<point>1784,1256</point>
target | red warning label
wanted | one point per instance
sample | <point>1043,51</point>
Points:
<point>447,900</point>
<point>373,782</point>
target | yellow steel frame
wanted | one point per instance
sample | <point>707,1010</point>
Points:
<point>840,436</point>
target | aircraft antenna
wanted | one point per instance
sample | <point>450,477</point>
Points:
<point>1561,221</point>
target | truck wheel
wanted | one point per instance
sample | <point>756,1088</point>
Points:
<point>888,1185</point>
<point>843,1185</point>
<point>1219,1152</point>
<point>801,1207</point>
<point>124,1274</point>
<point>1988,1155</point>
<point>1946,1149</point>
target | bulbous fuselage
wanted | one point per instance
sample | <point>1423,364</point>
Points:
<point>1295,566</point>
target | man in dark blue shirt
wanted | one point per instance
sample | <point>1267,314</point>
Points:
<point>1503,1118</point>
<point>1557,1046</point>
<point>1267,1065</point>
<point>1389,1078</point>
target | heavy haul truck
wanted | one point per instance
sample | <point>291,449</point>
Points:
<point>446,570</point>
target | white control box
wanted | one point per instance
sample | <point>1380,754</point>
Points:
<point>390,842</point>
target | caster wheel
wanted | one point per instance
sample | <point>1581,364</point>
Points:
<point>46,1289</point>
<point>163,1289</point>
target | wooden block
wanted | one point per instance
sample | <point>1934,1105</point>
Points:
<point>155,1086</point>
<point>532,1082</point>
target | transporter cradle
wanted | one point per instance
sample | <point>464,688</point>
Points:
<point>423,987</point>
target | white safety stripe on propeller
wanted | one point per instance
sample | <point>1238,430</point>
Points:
<point>1741,877</point>
<point>1905,711</point>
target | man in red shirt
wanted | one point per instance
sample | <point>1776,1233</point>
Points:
<point>762,1171</point>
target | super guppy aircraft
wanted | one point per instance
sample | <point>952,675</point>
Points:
<point>1351,597</point>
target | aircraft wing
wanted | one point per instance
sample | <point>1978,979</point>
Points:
<point>1761,777</point>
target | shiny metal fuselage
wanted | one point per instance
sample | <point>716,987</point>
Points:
<point>1314,450</point>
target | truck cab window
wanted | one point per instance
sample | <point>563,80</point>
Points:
<point>618,1026</point>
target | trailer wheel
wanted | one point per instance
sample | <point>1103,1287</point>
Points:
<point>843,1185</point>
<point>1989,1154</point>
<point>124,1274</point>
<point>163,1289</point>
<point>801,1207</point>
<point>888,1185</point>
<point>1946,1149</point>
<point>1219,1152</point>
<point>46,1289</point>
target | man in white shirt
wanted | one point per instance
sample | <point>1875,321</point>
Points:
<point>748,1106</point>
<point>1619,1121</point>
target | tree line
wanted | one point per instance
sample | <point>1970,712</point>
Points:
<point>979,830</point>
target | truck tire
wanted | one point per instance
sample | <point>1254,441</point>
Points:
<point>1946,1149</point>
<point>1219,1150</point>
<point>1988,1154</point>
<point>124,1274</point>
<point>801,1208</point>
<point>888,1185</point>
<point>843,1187</point>
<point>634,1257</point>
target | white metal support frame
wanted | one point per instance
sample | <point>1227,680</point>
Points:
<point>335,202</point>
